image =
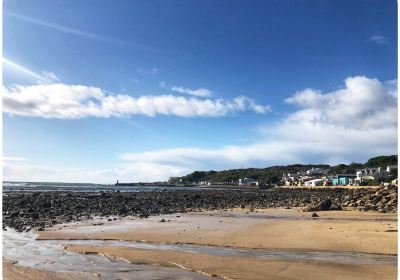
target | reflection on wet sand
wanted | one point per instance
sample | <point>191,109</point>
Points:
<point>233,244</point>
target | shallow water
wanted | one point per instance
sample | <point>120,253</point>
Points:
<point>47,254</point>
<point>291,216</point>
<point>330,257</point>
<point>82,187</point>
<point>51,256</point>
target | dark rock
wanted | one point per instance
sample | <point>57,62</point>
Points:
<point>42,209</point>
<point>314,215</point>
<point>335,207</point>
<point>35,216</point>
<point>14,214</point>
<point>322,206</point>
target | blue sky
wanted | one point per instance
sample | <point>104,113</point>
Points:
<point>96,91</point>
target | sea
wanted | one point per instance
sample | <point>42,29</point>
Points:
<point>9,186</point>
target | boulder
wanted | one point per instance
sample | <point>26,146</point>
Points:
<point>335,206</point>
<point>321,206</point>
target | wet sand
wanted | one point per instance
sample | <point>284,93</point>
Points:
<point>270,228</point>
<point>275,229</point>
<point>13,271</point>
<point>246,268</point>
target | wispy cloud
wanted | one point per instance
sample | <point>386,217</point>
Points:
<point>126,173</point>
<point>78,32</point>
<point>7,158</point>
<point>363,124</point>
<point>353,123</point>
<point>77,101</point>
<point>44,77</point>
<point>200,92</point>
<point>147,72</point>
<point>51,76</point>
<point>379,40</point>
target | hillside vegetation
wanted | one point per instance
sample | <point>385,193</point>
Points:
<point>274,174</point>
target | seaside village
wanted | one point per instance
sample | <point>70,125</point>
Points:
<point>319,177</point>
<point>315,177</point>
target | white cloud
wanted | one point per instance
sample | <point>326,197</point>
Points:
<point>77,101</point>
<point>201,92</point>
<point>129,173</point>
<point>379,40</point>
<point>391,87</point>
<point>244,102</point>
<point>363,103</point>
<point>350,124</point>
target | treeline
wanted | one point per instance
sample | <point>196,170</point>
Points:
<point>273,174</point>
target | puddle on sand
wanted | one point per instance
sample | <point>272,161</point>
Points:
<point>295,216</point>
<point>314,256</point>
<point>51,256</point>
<point>324,257</point>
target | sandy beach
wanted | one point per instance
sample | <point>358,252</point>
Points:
<point>278,230</point>
<point>357,231</point>
<point>200,140</point>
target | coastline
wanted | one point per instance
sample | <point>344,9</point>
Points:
<point>25,211</point>
<point>279,234</point>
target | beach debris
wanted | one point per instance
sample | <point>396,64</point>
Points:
<point>314,215</point>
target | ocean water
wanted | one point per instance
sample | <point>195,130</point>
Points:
<point>86,187</point>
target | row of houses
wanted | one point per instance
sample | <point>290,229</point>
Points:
<point>240,182</point>
<point>319,177</point>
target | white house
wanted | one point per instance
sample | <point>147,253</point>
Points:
<point>248,182</point>
<point>369,173</point>
<point>314,183</point>
<point>290,178</point>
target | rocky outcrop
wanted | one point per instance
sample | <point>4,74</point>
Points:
<point>383,199</point>
<point>26,210</point>
<point>323,205</point>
